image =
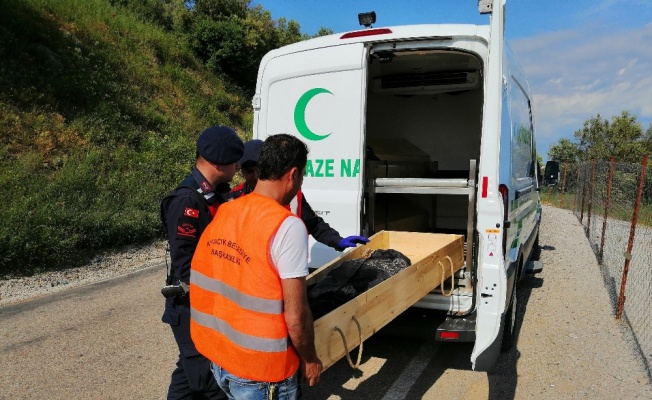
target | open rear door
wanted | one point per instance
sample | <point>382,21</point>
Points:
<point>317,95</point>
<point>492,275</point>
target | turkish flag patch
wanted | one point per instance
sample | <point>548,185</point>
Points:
<point>191,212</point>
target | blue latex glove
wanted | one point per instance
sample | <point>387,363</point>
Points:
<point>352,241</point>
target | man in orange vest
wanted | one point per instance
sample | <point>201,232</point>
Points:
<point>249,307</point>
<point>316,226</point>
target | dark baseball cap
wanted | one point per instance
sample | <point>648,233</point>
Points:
<point>220,145</point>
<point>251,153</point>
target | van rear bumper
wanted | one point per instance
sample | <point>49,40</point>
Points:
<point>460,329</point>
<point>456,304</point>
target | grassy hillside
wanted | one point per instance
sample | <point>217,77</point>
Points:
<point>99,112</point>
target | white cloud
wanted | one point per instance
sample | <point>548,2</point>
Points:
<point>576,74</point>
<point>629,66</point>
<point>601,7</point>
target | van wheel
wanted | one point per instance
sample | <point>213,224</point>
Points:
<point>536,250</point>
<point>509,329</point>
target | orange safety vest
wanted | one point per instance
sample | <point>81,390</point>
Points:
<point>236,298</point>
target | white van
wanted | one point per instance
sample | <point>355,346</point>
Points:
<point>423,128</point>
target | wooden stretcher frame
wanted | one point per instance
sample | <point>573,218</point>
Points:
<point>433,255</point>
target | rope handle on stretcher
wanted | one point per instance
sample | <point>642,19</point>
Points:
<point>450,292</point>
<point>346,347</point>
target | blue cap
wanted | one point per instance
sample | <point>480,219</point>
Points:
<point>251,153</point>
<point>220,145</point>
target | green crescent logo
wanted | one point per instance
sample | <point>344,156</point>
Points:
<point>300,114</point>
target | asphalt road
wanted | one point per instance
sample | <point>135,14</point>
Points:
<point>102,341</point>
<point>106,341</point>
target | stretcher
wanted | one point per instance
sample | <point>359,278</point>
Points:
<point>435,257</point>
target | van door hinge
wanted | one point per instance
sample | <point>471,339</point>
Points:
<point>255,102</point>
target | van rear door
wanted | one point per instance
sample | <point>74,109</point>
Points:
<point>318,96</point>
<point>491,289</point>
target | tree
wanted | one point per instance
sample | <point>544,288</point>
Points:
<point>221,46</point>
<point>598,139</point>
<point>231,37</point>
<point>564,152</point>
<point>622,138</point>
<point>221,9</point>
<point>626,140</point>
<point>324,32</point>
<point>592,138</point>
<point>288,32</point>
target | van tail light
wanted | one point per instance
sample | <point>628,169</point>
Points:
<point>504,193</point>
<point>447,335</point>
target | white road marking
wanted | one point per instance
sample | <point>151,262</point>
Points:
<point>413,370</point>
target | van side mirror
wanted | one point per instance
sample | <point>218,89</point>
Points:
<point>551,175</point>
<point>539,176</point>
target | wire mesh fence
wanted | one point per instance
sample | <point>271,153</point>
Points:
<point>613,202</point>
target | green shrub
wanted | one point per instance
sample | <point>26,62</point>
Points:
<point>99,112</point>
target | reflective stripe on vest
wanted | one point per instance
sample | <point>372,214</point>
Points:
<point>243,300</point>
<point>246,341</point>
<point>236,296</point>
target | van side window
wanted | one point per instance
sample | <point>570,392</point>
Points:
<point>522,162</point>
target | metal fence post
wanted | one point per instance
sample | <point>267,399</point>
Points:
<point>588,220</point>
<point>563,185</point>
<point>576,207</point>
<point>583,198</point>
<point>606,208</point>
<point>630,243</point>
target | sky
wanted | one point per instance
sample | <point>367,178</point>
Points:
<point>582,57</point>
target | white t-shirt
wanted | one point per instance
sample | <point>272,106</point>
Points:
<point>289,249</point>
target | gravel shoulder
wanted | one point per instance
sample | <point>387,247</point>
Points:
<point>569,338</point>
<point>95,332</point>
<point>102,267</point>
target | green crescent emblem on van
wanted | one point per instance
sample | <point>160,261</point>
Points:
<point>300,114</point>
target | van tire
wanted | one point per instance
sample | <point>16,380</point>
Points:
<point>509,329</point>
<point>536,250</point>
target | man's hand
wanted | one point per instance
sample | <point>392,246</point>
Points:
<point>311,372</point>
<point>298,319</point>
<point>352,241</point>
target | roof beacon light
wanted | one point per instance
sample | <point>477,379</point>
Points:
<point>367,18</point>
<point>485,6</point>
